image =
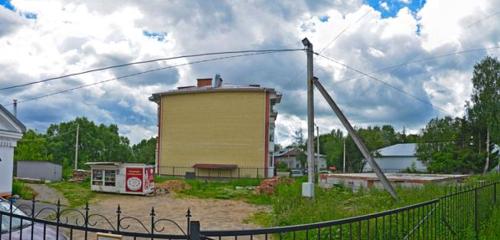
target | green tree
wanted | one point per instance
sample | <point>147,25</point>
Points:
<point>145,151</point>
<point>484,108</point>
<point>33,146</point>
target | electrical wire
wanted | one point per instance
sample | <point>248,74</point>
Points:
<point>342,32</point>
<point>147,61</point>
<point>384,82</point>
<point>394,67</point>
<point>140,73</point>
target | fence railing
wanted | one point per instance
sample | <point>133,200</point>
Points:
<point>459,214</point>
<point>239,172</point>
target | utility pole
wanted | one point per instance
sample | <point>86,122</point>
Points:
<point>308,187</point>
<point>343,164</point>
<point>357,140</point>
<point>317,149</point>
<point>76,145</point>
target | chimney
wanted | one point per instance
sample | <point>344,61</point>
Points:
<point>15,107</point>
<point>202,82</point>
<point>217,81</point>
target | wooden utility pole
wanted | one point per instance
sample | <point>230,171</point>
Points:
<point>343,157</point>
<point>76,145</point>
<point>308,188</point>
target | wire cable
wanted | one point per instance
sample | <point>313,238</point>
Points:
<point>384,82</point>
<point>147,61</point>
<point>342,32</point>
<point>139,73</point>
<point>396,66</point>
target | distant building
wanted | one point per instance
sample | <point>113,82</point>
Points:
<point>11,130</point>
<point>289,156</point>
<point>397,158</point>
<point>40,170</point>
<point>216,130</point>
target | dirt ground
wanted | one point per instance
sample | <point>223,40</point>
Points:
<point>212,214</point>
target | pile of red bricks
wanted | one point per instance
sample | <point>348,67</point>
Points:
<point>171,186</point>
<point>79,175</point>
<point>268,186</point>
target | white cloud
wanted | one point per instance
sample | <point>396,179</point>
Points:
<point>70,36</point>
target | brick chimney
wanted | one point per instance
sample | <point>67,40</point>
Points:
<point>202,82</point>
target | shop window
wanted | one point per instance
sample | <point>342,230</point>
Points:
<point>97,177</point>
<point>110,178</point>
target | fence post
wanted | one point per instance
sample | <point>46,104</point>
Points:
<point>476,221</point>
<point>194,228</point>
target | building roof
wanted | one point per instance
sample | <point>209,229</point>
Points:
<point>223,88</point>
<point>12,118</point>
<point>291,152</point>
<point>399,150</point>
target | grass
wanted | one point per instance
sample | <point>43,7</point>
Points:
<point>21,189</point>
<point>237,189</point>
<point>491,229</point>
<point>77,194</point>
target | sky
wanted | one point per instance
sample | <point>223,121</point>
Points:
<point>43,39</point>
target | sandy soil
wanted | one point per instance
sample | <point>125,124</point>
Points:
<point>213,214</point>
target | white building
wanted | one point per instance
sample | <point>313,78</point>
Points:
<point>397,158</point>
<point>11,130</point>
<point>289,157</point>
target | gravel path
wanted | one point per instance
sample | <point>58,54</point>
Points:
<point>47,194</point>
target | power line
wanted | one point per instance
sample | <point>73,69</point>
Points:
<point>139,73</point>
<point>342,32</point>
<point>384,82</point>
<point>147,61</point>
<point>482,19</point>
<point>421,60</point>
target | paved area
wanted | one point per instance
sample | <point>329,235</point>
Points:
<point>47,194</point>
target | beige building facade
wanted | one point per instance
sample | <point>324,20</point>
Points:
<point>216,130</point>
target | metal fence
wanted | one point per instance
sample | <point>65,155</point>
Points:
<point>238,172</point>
<point>457,215</point>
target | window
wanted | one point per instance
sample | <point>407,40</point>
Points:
<point>110,178</point>
<point>97,177</point>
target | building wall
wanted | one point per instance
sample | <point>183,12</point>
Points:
<point>6,167</point>
<point>39,170</point>
<point>394,164</point>
<point>216,128</point>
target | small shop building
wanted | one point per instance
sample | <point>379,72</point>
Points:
<point>126,178</point>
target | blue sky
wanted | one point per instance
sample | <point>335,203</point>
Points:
<point>389,8</point>
<point>41,39</point>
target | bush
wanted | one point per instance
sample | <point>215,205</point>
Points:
<point>20,188</point>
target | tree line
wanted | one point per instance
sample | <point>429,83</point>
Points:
<point>96,143</point>
<point>467,144</point>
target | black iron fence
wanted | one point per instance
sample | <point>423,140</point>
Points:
<point>457,215</point>
<point>238,172</point>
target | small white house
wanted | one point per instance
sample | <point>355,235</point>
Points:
<point>11,130</point>
<point>116,177</point>
<point>397,158</point>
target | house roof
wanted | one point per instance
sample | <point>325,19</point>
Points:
<point>399,150</point>
<point>223,88</point>
<point>11,117</point>
<point>290,152</point>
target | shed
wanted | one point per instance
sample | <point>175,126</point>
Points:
<point>11,130</point>
<point>40,170</point>
<point>397,158</point>
<point>127,178</point>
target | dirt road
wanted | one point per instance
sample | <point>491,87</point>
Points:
<point>213,214</point>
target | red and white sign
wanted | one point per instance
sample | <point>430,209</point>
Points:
<point>148,178</point>
<point>133,179</point>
